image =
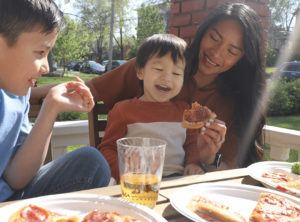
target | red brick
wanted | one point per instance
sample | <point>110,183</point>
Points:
<point>188,31</point>
<point>174,31</point>
<point>175,7</point>
<point>211,4</point>
<point>192,5</point>
<point>180,20</point>
<point>197,17</point>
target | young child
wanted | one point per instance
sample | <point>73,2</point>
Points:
<point>160,65</point>
<point>28,31</point>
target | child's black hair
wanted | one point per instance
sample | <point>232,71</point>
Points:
<point>18,16</point>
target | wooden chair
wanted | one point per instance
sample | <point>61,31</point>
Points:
<point>97,120</point>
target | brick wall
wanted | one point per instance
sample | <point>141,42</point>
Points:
<point>185,15</point>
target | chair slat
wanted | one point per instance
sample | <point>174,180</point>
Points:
<point>96,124</point>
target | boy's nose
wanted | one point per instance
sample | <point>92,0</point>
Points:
<point>44,67</point>
<point>167,76</point>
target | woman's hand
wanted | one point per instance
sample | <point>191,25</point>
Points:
<point>191,169</point>
<point>210,140</point>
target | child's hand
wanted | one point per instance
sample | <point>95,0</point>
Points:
<point>191,169</point>
<point>70,96</point>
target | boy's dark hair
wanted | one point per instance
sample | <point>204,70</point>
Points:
<point>160,45</point>
<point>18,16</point>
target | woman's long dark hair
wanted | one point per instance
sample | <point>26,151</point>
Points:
<point>245,81</point>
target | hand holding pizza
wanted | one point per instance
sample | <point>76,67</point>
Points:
<point>211,132</point>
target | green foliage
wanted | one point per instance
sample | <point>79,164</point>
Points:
<point>67,116</point>
<point>285,99</point>
<point>270,70</point>
<point>72,43</point>
<point>296,168</point>
<point>271,56</point>
<point>150,22</point>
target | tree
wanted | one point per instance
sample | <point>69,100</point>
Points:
<point>72,42</point>
<point>95,15</point>
<point>150,22</point>
<point>283,13</point>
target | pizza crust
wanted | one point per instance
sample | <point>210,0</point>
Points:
<point>214,211</point>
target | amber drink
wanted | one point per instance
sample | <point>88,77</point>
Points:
<point>141,164</point>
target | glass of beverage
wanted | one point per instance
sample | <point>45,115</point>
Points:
<point>141,163</point>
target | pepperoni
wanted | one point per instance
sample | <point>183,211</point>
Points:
<point>97,216</point>
<point>34,213</point>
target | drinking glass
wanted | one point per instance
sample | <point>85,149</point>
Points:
<point>141,163</point>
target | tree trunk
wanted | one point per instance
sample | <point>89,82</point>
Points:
<point>111,34</point>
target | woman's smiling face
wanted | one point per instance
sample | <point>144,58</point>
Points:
<point>221,47</point>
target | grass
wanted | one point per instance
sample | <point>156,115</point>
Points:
<point>270,70</point>
<point>289,122</point>
<point>68,76</point>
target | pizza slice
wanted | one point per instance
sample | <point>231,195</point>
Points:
<point>33,213</point>
<point>283,181</point>
<point>99,216</point>
<point>197,116</point>
<point>214,211</point>
<point>275,208</point>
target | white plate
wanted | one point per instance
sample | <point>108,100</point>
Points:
<point>81,204</point>
<point>256,171</point>
<point>241,198</point>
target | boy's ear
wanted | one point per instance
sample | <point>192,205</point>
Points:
<point>140,74</point>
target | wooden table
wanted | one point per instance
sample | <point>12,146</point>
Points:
<point>170,185</point>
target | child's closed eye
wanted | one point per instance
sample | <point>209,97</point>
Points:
<point>177,74</point>
<point>41,53</point>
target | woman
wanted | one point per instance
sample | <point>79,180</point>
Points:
<point>224,70</point>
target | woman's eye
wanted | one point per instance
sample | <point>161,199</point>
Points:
<point>214,37</point>
<point>177,74</point>
<point>232,52</point>
<point>158,69</point>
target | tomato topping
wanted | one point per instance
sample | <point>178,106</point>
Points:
<point>34,213</point>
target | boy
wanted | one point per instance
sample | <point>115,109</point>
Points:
<point>160,66</point>
<point>28,31</point>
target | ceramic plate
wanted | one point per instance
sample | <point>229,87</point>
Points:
<point>241,198</point>
<point>81,204</point>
